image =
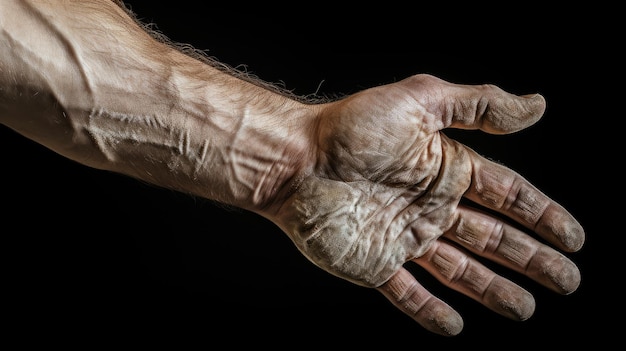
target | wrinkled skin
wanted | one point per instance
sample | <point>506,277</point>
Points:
<point>363,186</point>
<point>388,187</point>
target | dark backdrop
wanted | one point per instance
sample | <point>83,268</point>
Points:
<point>99,255</point>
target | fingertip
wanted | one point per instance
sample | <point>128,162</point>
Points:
<point>535,107</point>
<point>537,101</point>
<point>519,309</point>
<point>526,307</point>
<point>510,300</point>
<point>511,113</point>
<point>444,321</point>
<point>571,282</point>
<point>574,237</point>
<point>564,276</point>
<point>560,228</point>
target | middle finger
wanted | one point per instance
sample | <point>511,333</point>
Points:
<point>502,243</point>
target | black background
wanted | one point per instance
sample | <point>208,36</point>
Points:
<point>97,257</point>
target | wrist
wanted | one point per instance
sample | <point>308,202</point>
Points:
<point>268,148</point>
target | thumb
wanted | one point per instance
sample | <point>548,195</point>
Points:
<point>507,113</point>
<point>486,107</point>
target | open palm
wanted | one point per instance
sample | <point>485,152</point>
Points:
<point>388,187</point>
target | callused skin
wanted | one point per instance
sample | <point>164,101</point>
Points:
<point>362,185</point>
<point>381,190</point>
<point>387,185</point>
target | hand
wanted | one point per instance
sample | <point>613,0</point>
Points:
<point>387,187</point>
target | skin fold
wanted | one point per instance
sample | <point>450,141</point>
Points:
<point>362,185</point>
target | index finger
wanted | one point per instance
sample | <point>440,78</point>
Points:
<point>501,189</point>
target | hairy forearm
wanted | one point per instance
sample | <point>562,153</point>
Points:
<point>83,79</point>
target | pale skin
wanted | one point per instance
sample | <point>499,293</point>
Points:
<point>362,185</point>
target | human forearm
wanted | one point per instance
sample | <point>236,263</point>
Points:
<point>83,79</point>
